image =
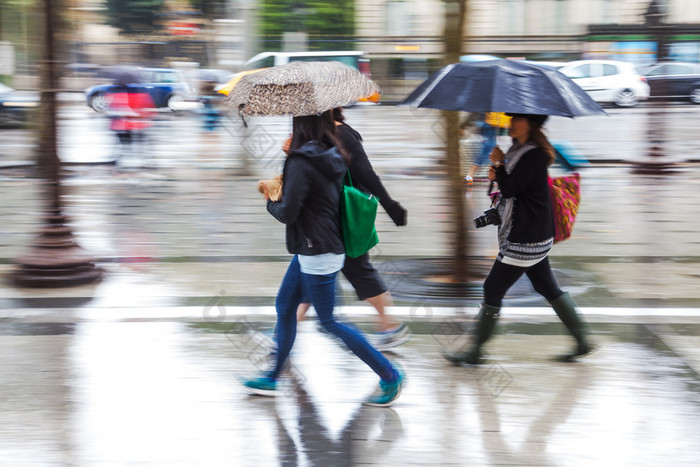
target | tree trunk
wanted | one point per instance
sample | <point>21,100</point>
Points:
<point>455,14</point>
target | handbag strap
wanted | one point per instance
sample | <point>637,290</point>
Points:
<point>347,180</point>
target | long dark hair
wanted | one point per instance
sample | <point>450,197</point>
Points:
<point>318,128</point>
<point>540,139</point>
<point>338,114</point>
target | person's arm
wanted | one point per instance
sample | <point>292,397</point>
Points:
<point>364,176</point>
<point>295,189</point>
<point>521,176</point>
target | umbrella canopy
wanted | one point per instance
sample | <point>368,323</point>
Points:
<point>121,74</point>
<point>503,86</point>
<point>299,88</point>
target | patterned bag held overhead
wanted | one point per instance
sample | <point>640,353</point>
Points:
<point>565,192</point>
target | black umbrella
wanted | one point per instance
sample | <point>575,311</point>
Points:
<point>121,74</point>
<point>503,86</point>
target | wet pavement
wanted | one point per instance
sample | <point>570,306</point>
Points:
<point>158,387</point>
<point>141,368</point>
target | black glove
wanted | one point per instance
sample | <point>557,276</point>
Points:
<point>398,214</point>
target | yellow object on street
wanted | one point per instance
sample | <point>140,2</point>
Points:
<point>228,87</point>
<point>498,119</point>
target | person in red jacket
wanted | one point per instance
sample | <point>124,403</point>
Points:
<point>129,108</point>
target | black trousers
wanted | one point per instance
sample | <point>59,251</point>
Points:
<point>503,276</point>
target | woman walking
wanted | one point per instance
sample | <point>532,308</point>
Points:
<point>360,272</point>
<point>525,235</point>
<point>312,179</point>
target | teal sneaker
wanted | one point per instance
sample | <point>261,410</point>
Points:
<point>387,393</point>
<point>263,386</point>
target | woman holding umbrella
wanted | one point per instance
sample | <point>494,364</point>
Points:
<point>525,235</point>
<point>312,179</point>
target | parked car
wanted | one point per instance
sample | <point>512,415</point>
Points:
<point>546,63</point>
<point>353,58</point>
<point>16,106</point>
<point>674,81</point>
<point>167,88</point>
<point>609,81</point>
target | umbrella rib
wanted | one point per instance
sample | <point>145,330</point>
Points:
<point>437,80</point>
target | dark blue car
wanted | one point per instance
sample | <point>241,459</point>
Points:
<point>17,107</point>
<point>165,86</point>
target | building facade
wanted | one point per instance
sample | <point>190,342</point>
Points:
<point>531,28</point>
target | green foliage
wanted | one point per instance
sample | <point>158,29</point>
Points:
<point>134,16</point>
<point>329,25</point>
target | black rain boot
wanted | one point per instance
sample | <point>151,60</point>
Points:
<point>488,315</point>
<point>565,308</point>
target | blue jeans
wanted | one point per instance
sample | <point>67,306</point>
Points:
<point>488,132</point>
<point>321,288</point>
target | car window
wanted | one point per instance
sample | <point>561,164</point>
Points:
<point>266,62</point>
<point>677,70</point>
<point>609,70</point>
<point>345,60</point>
<point>658,71</point>
<point>147,76</point>
<point>580,71</point>
<point>165,77</point>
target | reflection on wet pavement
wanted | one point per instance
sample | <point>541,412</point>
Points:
<point>165,393</point>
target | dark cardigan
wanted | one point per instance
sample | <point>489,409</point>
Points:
<point>533,219</point>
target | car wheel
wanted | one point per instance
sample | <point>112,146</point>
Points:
<point>98,102</point>
<point>695,96</point>
<point>626,98</point>
<point>172,101</point>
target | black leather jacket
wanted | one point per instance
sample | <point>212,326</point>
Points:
<point>311,182</point>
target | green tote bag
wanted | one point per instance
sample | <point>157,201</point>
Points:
<point>358,211</point>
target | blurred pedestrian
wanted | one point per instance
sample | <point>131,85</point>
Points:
<point>311,182</point>
<point>359,271</point>
<point>489,125</point>
<point>525,235</point>
<point>129,108</point>
<point>211,101</point>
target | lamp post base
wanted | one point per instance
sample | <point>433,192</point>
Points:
<point>55,260</point>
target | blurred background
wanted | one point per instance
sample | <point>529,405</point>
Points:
<point>136,252</point>
<point>404,39</point>
<point>61,59</point>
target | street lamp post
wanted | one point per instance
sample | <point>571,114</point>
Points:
<point>54,259</point>
<point>655,162</point>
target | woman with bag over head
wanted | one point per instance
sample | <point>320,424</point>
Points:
<point>525,235</point>
<point>312,180</point>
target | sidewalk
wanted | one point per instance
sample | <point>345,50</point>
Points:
<point>144,386</point>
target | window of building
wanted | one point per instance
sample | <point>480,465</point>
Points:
<point>399,18</point>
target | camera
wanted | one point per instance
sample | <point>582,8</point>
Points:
<point>490,217</point>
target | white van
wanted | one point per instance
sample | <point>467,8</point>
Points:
<point>355,59</point>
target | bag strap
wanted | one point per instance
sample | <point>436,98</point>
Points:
<point>347,180</point>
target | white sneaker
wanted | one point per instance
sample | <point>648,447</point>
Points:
<point>395,337</point>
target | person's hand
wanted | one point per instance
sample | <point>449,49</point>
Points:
<point>492,173</point>
<point>285,146</point>
<point>497,157</point>
<point>398,214</point>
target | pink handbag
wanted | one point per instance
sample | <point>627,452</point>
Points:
<point>565,192</point>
